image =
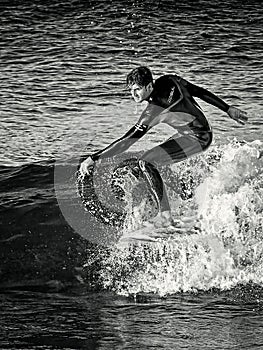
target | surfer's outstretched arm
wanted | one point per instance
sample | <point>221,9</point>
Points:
<point>127,140</point>
<point>123,143</point>
<point>133,135</point>
<point>207,96</point>
<point>117,147</point>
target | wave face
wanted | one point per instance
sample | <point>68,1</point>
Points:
<point>218,245</point>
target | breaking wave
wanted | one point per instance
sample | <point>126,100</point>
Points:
<point>218,243</point>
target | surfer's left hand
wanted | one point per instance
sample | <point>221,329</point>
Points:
<point>85,166</point>
<point>238,115</point>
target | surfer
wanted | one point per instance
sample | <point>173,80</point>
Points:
<point>170,100</point>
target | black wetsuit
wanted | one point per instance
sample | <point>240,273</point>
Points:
<point>171,102</point>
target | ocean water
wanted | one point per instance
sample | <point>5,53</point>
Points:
<point>65,281</point>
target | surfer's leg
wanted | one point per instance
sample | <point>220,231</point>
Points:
<point>164,205</point>
<point>178,148</point>
<point>156,184</point>
<point>157,188</point>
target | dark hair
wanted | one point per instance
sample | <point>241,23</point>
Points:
<point>140,75</point>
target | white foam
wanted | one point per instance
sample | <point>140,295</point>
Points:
<point>224,251</point>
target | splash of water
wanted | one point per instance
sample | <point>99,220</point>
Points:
<point>228,248</point>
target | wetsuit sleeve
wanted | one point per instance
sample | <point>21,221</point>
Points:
<point>123,143</point>
<point>205,95</point>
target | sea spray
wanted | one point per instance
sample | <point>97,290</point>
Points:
<point>227,249</point>
<point>230,199</point>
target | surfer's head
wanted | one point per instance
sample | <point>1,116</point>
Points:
<point>140,83</point>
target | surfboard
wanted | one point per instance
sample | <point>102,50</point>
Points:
<point>148,233</point>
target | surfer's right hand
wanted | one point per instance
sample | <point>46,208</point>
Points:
<point>238,115</point>
<point>85,167</point>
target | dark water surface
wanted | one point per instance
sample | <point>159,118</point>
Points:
<point>64,66</point>
<point>62,94</point>
<point>104,321</point>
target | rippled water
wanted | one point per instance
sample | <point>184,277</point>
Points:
<point>64,66</point>
<point>62,93</point>
<point>99,321</point>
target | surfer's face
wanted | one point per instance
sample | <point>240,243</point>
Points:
<point>140,93</point>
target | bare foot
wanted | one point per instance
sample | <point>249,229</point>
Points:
<point>163,219</point>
